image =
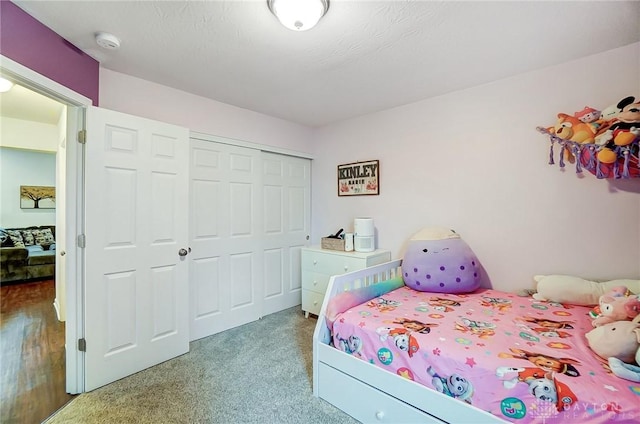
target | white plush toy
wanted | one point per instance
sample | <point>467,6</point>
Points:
<point>576,290</point>
<point>627,371</point>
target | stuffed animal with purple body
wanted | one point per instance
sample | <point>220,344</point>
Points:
<point>438,260</point>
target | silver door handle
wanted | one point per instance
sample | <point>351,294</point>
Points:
<point>63,253</point>
<point>183,252</point>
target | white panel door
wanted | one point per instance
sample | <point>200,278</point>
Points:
<point>286,220</point>
<point>136,283</point>
<point>225,235</point>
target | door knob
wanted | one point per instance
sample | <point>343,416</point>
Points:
<point>183,252</point>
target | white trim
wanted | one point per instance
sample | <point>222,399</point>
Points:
<point>74,287</point>
<point>76,103</point>
<point>56,306</point>
<point>263,147</point>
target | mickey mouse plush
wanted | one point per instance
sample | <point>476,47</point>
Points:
<point>624,131</point>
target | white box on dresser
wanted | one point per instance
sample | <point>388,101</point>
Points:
<point>318,265</point>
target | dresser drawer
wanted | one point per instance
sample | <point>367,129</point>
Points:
<point>315,281</point>
<point>312,301</point>
<point>365,403</point>
<point>331,264</point>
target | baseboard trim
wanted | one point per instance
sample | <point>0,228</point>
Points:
<point>56,305</point>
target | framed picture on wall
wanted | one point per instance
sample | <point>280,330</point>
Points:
<point>359,178</point>
<point>37,197</point>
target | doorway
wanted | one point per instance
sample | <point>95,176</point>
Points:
<point>33,303</point>
<point>71,292</point>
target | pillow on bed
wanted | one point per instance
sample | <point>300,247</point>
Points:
<point>349,299</point>
<point>577,290</point>
<point>438,260</point>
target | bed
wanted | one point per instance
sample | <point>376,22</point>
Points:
<point>403,356</point>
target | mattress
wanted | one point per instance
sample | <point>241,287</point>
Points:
<point>517,358</point>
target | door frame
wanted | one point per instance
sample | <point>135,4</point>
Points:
<point>74,208</point>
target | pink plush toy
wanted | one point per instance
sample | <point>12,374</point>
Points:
<point>614,306</point>
<point>619,344</point>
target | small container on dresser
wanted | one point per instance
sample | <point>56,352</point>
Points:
<point>318,265</point>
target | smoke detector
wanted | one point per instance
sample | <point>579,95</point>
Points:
<point>107,41</point>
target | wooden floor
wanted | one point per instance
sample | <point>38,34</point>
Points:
<point>32,361</point>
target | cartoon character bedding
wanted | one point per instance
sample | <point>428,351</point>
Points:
<point>517,358</point>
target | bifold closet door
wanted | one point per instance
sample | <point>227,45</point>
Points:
<point>225,231</point>
<point>286,182</point>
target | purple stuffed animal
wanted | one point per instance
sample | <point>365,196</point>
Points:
<point>438,260</point>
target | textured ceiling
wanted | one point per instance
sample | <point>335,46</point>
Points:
<point>22,103</point>
<point>364,56</point>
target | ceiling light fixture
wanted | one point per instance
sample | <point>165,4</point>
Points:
<point>298,15</point>
<point>5,85</point>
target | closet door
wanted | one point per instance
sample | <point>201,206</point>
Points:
<point>286,182</point>
<point>225,234</point>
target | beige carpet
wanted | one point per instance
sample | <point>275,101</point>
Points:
<point>257,373</point>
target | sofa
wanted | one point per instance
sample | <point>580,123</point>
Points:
<point>27,253</point>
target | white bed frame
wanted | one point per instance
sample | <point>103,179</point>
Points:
<point>372,394</point>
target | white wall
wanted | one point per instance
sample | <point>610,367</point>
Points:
<point>24,167</point>
<point>32,135</point>
<point>473,161</point>
<point>139,97</point>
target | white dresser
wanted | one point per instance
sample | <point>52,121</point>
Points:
<point>318,265</point>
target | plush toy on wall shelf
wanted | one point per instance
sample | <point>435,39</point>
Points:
<point>624,131</point>
<point>588,115</point>
<point>605,143</point>
<point>592,117</point>
<point>610,112</point>
<point>572,129</point>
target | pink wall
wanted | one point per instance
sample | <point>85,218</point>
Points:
<point>30,43</point>
<point>143,98</point>
<point>473,161</point>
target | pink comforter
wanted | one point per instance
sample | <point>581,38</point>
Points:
<point>517,358</point>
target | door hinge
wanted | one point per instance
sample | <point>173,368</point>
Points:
<point>82,345</point>
<point>82,241</point>
<point>82,136</point>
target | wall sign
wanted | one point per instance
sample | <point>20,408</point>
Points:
<point>359,178</point>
